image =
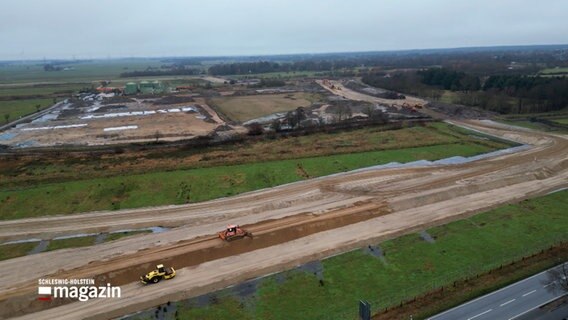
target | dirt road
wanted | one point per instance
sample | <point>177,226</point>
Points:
<point>340,90</point>
<point>293,224</point>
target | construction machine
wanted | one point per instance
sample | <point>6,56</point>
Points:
<point>160,273</point>
<point>234,232</point>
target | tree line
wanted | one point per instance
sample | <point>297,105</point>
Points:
<point>267,66</point>
<point>504,93</point>
<point>157,73</point>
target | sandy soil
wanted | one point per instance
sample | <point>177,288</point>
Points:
<point>293,224</point>
<point>167,126</point>
<point>353,95</point>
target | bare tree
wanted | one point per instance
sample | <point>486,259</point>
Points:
<point>157,136</point>
<point>557,279</point>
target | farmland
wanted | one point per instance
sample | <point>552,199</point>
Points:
<point>80,71</point>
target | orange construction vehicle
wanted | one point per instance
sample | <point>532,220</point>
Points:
<point>234,232</point>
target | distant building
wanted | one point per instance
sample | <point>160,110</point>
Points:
<point>131,88</point>
<point>145,87</point>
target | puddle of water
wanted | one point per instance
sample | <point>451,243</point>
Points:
<point>79,235</point>
<point>245,289</point>
<point>25,144</point>
<point>7,136</point>
<point>376,252</point>
<point>426,237</point>
<point>46,117</point>
<point>42,245</point>
<point>314,267</point>
<point>101,237</point>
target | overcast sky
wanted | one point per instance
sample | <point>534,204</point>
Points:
<point>31,29</point>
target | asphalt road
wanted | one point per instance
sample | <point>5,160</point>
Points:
<point>508,303</point>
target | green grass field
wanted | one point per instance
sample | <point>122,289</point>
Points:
<point>71,243</point>
<point>181,186</point>
<point>561,121</point>
<point>10,251</point>
<point>412,267</point>
<point>18,108</point>
<point>119,235</point>
<point>553,71</point>
<point>82,72</point>
<point>448,96</point>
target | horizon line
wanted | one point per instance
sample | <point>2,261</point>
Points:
<point>98,58</point>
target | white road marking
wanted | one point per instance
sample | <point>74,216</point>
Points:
<point>526,294</point>
<point>549,284</point>
<point>506,303</point>
<point>484,312</point>
<point>489,294</point>
<point>531,309</point>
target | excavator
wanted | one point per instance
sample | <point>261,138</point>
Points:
<point>160,273</point>
<point>233,232</point>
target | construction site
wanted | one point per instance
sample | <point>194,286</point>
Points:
<point>143,113</point>
<point>271,230</point>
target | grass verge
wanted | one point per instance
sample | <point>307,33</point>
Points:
<point>194,185</point>
<point>35,170</point>
<point>9,251</point>
<point>71,243</point>
<point>459,292</point>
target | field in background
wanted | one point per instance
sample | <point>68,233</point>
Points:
<point>550,121</point>
<point>24,85</point>
<point>84,192</point>
<point>409,267</point>
<point>554,71</point>
<point>243,108</point>
<point>15,109</point>
<point>82,71</point>
<point>195,185</point>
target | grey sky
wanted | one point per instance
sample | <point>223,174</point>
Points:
<point>31,29</point>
